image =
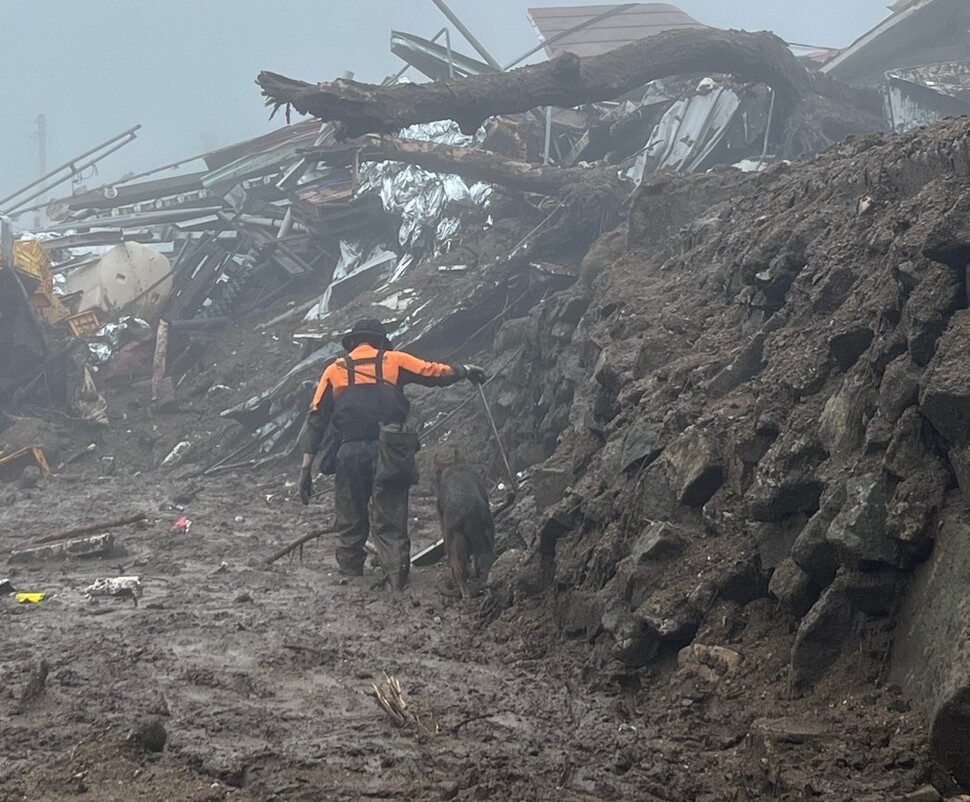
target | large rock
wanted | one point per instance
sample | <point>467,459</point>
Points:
<point>793,588</point>
<point>842,426</point>
<point>859,530</point>
<point>913,510</point>
<point>811,550</point>
<point>907,453</point>
<point>931,653</point>
<point>899,388</point>
<point>659,541</point>
<point>843,608</point>
<point>939,293</point>
<point>847,346</point>
<point>697,465</point>
<point>945,395</point>
<point>775,539</point>
<point>785,482</point>
<point>818,642</point>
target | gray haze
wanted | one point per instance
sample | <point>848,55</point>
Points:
<point>185,68</point>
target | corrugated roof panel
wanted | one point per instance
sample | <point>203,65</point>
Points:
<point>639,21</point>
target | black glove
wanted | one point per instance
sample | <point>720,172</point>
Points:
<point>475,374</point>
<point>306,484</point>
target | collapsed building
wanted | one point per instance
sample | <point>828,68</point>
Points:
<point>728,380</point>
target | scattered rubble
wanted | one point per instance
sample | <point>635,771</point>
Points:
<point>732,388</point>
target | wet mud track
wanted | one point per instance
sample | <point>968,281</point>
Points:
<point>262,675</point>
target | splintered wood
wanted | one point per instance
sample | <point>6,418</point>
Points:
<point>391,699</point>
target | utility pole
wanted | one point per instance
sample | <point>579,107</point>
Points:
<point>41,156</point>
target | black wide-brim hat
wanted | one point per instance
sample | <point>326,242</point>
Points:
<point>367,327</point>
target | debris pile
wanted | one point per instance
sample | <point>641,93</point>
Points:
<point>730,384</point>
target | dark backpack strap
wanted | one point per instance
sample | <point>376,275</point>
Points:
<point>349,365</point>
<point>379,367</point>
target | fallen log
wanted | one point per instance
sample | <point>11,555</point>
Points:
<point>88,528</point>
<point>80,547</point>
<point>469,163</point>
<point>814,108</point>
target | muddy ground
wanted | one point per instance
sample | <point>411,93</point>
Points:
<point>261,675</point>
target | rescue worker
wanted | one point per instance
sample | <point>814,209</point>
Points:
<point>360,394</point>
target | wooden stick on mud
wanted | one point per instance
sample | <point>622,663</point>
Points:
<point>298,543</point>
<point>95,527</point>
<point>160,359</point>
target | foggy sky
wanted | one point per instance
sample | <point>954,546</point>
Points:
<point>185,69</point>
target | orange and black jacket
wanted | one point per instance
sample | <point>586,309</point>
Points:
<point>362,390</point>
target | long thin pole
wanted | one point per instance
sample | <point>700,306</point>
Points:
<point>41,152</point>
<point>130,134</point>
<point>443,7</point>
<point>498,440</point>
<point>42,143</point>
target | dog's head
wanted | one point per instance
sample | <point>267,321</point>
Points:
<point>443,463</point>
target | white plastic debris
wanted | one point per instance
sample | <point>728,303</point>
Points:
<point>127,587</point>
<point>177,454</point>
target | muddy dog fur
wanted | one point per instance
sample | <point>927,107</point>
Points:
<point>466,521</point>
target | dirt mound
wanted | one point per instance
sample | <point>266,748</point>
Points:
<point>755,404</point>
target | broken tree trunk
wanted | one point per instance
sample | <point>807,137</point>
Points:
<point>469,163</point>
<point>815,108</point>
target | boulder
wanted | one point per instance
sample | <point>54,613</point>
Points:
<point>931,651</point>
<point>913,509</point>
<point>659,541</point>
<point>793,587</point>
<point>710,663</point>
<point>697,467</point>
<point>945,392</point>
<point>960,462</point>
<point>636,641</point>
<point>811,551</point>
<point>907,453</point>
<point>641,444</point>
<point>549,485</point>
<point>785,482</point>
<point>818,642</point>
<point>849,345</point>
<point>775,539</point>
<point>899,388</point>
<point>937,296</point>
<point>842,426</point>
<point>859,530</point>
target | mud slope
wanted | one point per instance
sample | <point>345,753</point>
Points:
<point>755,403</point>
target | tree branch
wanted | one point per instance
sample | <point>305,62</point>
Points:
<point>566,81</point>
<point>470,163</point>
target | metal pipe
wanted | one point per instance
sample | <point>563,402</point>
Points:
<point>70,164</point>
<point>771,113</point>
<point>451,67</point>
<point>545,152</point>
<point>498,440</point>
<point>479,47</point>
<point>74,171</point>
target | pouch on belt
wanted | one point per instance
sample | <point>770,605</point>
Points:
<point>396,450</point>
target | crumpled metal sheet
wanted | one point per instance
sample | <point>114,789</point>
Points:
<point>419,196</point>
<point>112,336</point>
<point>688,132</point>
<point>352,263</point>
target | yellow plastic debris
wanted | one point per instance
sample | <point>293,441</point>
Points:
<point>29,598</point>
<point>32,261</point>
